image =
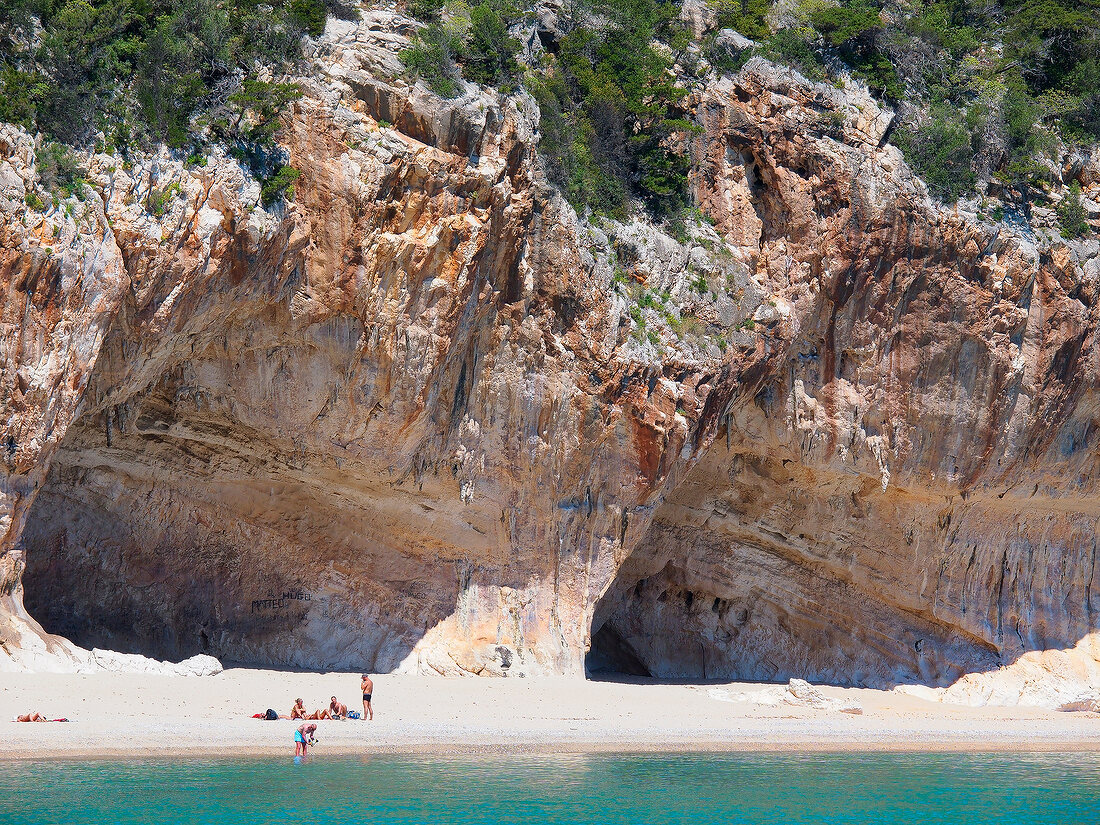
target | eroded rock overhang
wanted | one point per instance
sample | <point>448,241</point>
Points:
<point>408,423</point>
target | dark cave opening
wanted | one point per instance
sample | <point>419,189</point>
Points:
<point>610,654</point>
<point>650,624</point>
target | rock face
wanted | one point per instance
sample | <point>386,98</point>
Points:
<point>413,419</point>
<point>908,493</point>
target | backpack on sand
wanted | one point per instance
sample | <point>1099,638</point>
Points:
<point>271,715</point>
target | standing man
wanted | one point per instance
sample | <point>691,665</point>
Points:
<point>367,686</point>
<point>303,738</point>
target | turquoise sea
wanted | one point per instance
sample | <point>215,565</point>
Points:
<point>716,789</point>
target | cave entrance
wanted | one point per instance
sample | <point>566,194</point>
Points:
<point>611,655</point>
<point>652,623</point>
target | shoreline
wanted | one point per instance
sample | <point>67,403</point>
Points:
<point>570,748</point>
<point>143,716</point>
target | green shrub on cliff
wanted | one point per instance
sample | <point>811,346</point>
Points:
<point>984,88</point>
<point>427,10</point>
<point>279,184</point>
<point>433,57</point>
<point>20,92</point>
<point>143,70</point>
<point>748,17</point>
<point>610,109</point>
<point>491,53</point>
<point>59,173</point>
<point>309,15</point>
<point>605,90</point>
<point>939,149</point>
<point>1072,215</point>
<point>848,22</point>
<point>181,72</point>
<point>794,47</point>
<point>257,106</point>
<point>471,42</point>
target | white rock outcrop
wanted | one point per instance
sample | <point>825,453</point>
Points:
<point>796,693</point>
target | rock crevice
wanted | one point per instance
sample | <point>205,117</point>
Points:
<point>418,419</point>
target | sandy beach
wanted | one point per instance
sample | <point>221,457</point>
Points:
<point>144,715</point>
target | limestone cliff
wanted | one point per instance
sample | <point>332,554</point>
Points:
<point>424,417</point>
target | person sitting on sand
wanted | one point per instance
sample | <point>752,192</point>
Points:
<point>299,712</point>
<point>338,710</point>
<point>367,686</point>
<point>31,717</point>
<point>303,737</point>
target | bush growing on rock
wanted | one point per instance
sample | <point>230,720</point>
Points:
<point>427,10</point>
<point>611,108</point>
<point>490,58</point>
<point>983,88</point>
<point>433,57</point>
<point>794,47</point>
<point>747,17</point>
<point>310,15</point>
<point>605,90</point>
<point>940,150</point>
<point>1020,77</point>
<point>145,71</point>
<point>280,184</point>
<point>59,173</point>
<point>465,42</point>
<point>258,104</point>
<point>1071,213</point>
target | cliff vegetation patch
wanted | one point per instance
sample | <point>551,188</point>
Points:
<point>986,91</point>
<point>604,82</point>
<point>122,74</point>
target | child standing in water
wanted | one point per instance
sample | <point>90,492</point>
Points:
<point>367,687</point>
<point>304,733</point>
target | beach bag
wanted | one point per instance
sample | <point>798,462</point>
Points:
<point>353,714</point>
<point>271,715</point>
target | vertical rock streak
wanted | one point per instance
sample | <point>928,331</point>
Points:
<point>404,423</point>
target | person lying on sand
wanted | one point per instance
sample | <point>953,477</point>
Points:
<point>31,717</point>
<point>338,710</point>
<point>319,714</point>
<point>303,737</point>
<point>270,715</point>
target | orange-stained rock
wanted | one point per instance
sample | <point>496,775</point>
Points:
<point>414,420</point>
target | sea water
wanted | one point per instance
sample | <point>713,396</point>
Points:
<point>716,789</point>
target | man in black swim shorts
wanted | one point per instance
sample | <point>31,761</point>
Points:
<point>367,686</point>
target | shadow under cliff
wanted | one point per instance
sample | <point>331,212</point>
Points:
<point>207,539</point>
<point>758,569</point>
<point>750,570</point>
<point>104,577</point>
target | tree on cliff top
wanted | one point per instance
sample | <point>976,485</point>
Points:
<point>984,88</point>
<point>606,91</point>
<point>142,70</point>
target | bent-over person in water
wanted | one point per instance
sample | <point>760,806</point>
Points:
<point>303,738</point>
<point>367,686</point>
